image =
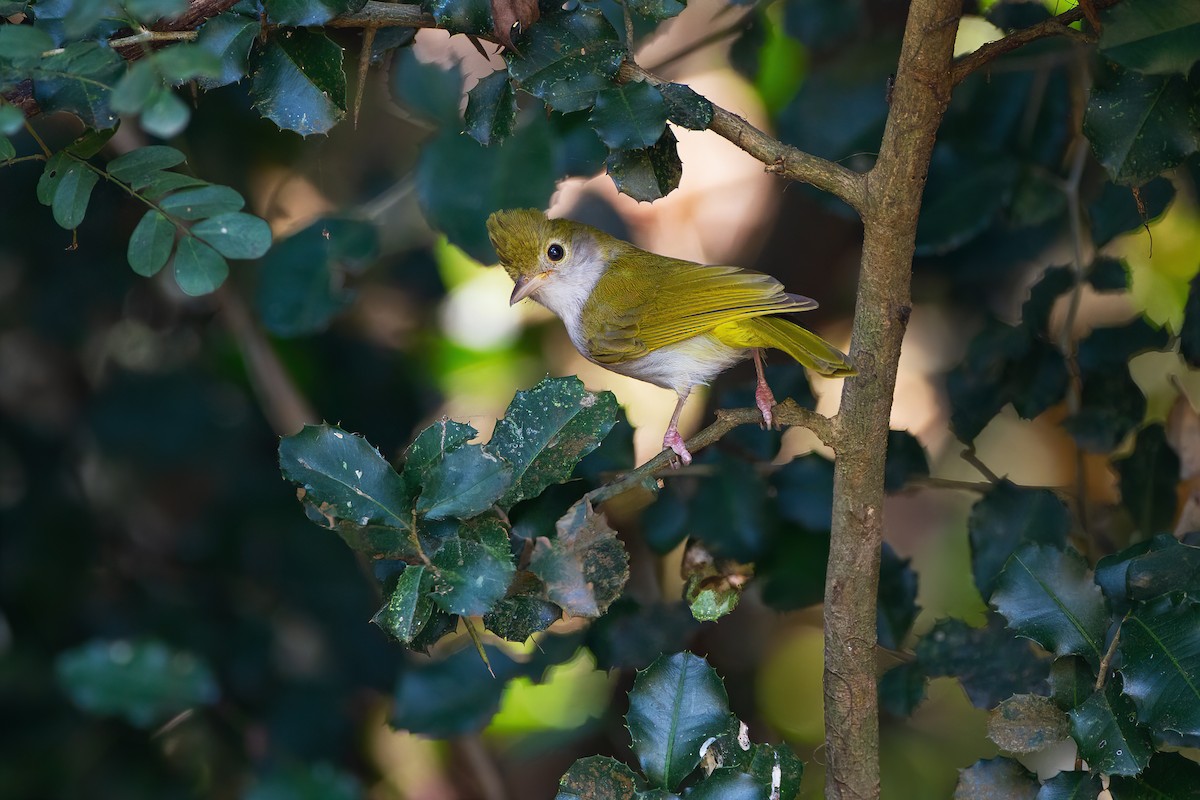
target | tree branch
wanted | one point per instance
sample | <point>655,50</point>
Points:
<point>787,414</point>
<point>1055,26</point>
<point>781,159</point>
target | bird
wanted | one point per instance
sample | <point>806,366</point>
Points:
<point>673,323</point>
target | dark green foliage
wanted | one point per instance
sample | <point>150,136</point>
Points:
<point>1004,519</point>
<point>1169,775</point>
<point>229,37</point>
<point>685,107</point>
<point>1116,210</point>
<point>996,777</point>
<point>491,109</point>
<point>1071,681</point>
<point>1108,735</point>
<point>297,82</point>
<point>566,58</point>
<point>906,461</point>
<point>990,662</point>
<point>1148,479</point>
<point>1071,786</point>
<point>647,174</point>
<point>1160,649</point>
<point>1189,334</point>
<point>629,117</point>
<point>897,605</point>
<point>146,683</point>
<point>1152,36</point>
<point>633,635</point>
<point>1046,593</point>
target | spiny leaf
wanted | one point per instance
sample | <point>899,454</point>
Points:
<point>649,174</point>
<point>629,116</point>
<point>675,705</point>
<point>491,109</point>
<point>1109,738</point>
<point>474,567</point>
<point>407,606</point>
<point>1160,662</point>
<point>566,58</point>
<point>298,82</point>
<point>466,482</point>
<point>547,430</point>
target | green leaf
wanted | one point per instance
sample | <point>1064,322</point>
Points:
<point>51,176</point>
<point>7,150</point>
<point>473,568</point>
<point>518,617</point>
<point>491,109</point>
<point>1153,36</point>
<point>460,182</point>
<point>1109,738</point>
<point>23,45</point>
<point>566,58</point>
<point>629,116</point>
<point>1116,210</point>
<point>235,235</point>
<point>633,635</point>
<point>199,269</point>
<point>1109,275</point>
<point>712,586</point>
<point>1169,567</point>
<point>901,690</point>
<point>151,244</point>
<point>1140,126</point>
<point>1189,333</point>
<point>461,16</point>
<point>90,142</point>
<point>298,82</point>
<point>990,662</point>
<point>1111,407</point>
<point>135,88</point>
<point>319,781</point>
<point>598,778</point>
<point>12,119</point>
<point>73,193</point>
<point>146,683</point>
<point>302,286</point>
<point>763,761</point>
<point>183,62</point>
<point>585,566</point>
<point>1170,776</point>
<point>165,114</point>
<point>685,107</point>
<point>431,446</point>
<point>1071,786</point>
<point>1054,283</point>
<point>646,175</point>
<point>453,695</point>
<point>547,430</point>
<point>729,784</point>
<point>996,778</point>
<point>229,37</point>
<point>154,10</point>
<point>202,202</point>
<point>1027,723</point>
<point>79,80</point>
<point>305,13</point>
<point>345,478</point>
<point>157,184</point>
<point>1149,476</point>
<point>133,167</point>
<point>804,488</point>
<point>896,607</point>
<point>466,482</point>
<point>1111,347</point>
<point>1047,595</point>
<point>1160,664</point>
<point>407,605</point>
<point>1071,682</point>
<point>428,90</point>
<point>1004,519</point>
<point>906,461</point>
<point>675,705</point>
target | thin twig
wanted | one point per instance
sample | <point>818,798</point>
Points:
<point>786,413</point>
<point>150,37</point>
<point>704,41</point>
<point>1055,26</point>
<point>1108,656</point>
<point>971,457</point>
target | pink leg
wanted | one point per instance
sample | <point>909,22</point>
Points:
<point>763,398</point>
<point>672,440</point>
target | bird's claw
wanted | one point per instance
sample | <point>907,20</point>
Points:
<point>765,400</point>
<point>674,442</point>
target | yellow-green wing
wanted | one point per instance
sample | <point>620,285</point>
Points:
<point>642,304</point>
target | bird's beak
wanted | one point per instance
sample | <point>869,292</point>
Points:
<point>525,286</point>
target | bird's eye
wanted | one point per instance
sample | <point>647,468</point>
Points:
<point>555,252</point>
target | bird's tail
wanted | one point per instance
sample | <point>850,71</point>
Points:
<point>803,345</point>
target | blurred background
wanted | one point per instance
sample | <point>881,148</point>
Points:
<point>143,518</point>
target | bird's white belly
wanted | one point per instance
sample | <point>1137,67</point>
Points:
<point>682,365</point>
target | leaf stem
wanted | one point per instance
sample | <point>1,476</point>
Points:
<point>1108,655</point>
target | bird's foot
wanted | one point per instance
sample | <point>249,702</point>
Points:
<point>673,441</point>
<point>765,400</point>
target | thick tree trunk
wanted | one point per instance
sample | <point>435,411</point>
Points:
<point>894,187</point>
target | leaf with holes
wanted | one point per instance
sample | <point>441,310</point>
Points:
<point>585,566</point>
<point>1109,738</point>
<point>474,567</point>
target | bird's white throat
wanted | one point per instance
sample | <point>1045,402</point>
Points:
<point>567,290</point>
